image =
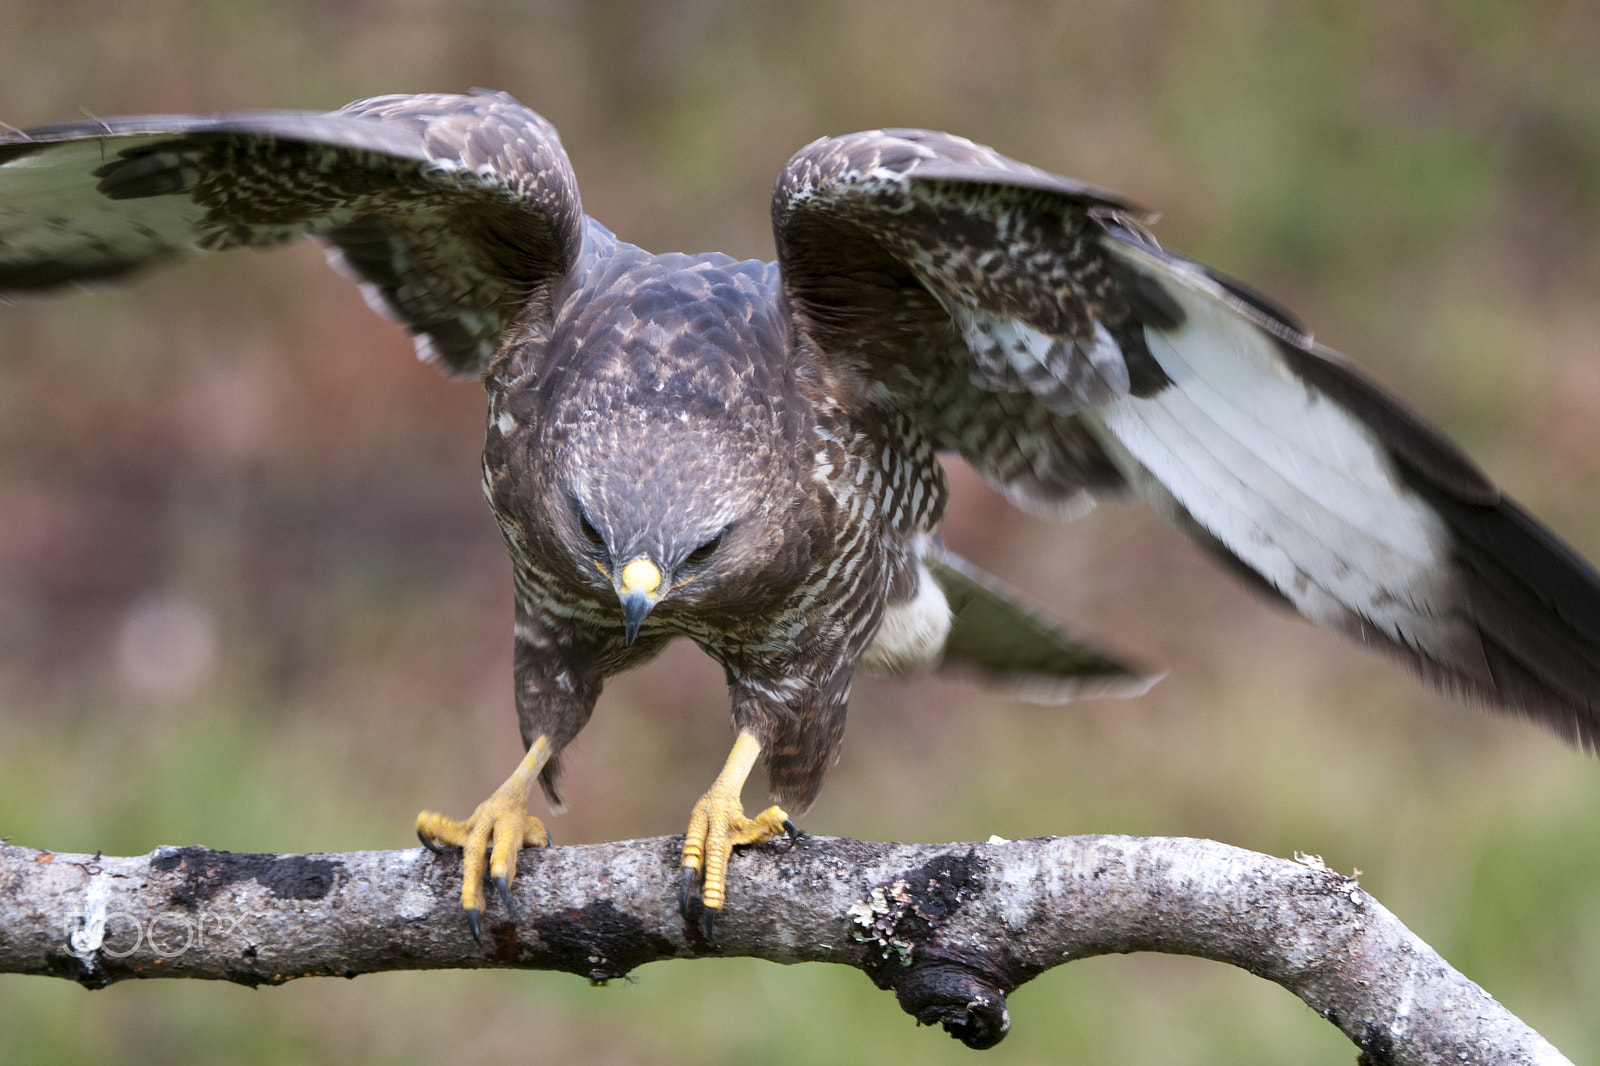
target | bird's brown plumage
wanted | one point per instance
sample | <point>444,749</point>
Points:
<point>745,453</point>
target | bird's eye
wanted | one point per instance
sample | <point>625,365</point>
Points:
<point>590,534</point>
<point>705,551</point>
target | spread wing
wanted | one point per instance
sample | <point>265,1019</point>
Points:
<point>1034,327</point>
<point>452,211</point>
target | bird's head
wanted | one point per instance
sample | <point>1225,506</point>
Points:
<point>651,533</point>
<point>669,517</point>
<point>673,504</point>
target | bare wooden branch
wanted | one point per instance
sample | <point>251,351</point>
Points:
<point>950,928</point>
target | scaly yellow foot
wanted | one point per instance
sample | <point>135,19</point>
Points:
<point>717,825</point>
<point>504,818</point>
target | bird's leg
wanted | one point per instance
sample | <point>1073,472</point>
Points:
<point>717,825</point>
<point>504,817</point>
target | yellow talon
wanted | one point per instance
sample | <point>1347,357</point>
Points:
<point>718,824</point>
<point>502,818</point>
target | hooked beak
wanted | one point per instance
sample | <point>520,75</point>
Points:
<point>640,590</point>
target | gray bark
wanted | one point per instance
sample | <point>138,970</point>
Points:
<point>950,928</point>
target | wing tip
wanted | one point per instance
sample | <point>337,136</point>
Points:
<point>1119,683</point>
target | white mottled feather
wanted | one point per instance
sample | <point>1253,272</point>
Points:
<point>912,632</point>
<point>1064,376</point>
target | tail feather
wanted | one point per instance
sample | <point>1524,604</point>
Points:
<point>995,637</point>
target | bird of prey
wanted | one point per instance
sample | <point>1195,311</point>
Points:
<point>746,453</point>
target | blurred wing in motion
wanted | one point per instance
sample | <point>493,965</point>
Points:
<point>454,212</point>
<point>995,637</point>
<point>1029,323</point>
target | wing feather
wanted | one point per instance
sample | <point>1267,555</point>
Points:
<point>453,212</point>
<point>994,280</point>
<point>899,260</point>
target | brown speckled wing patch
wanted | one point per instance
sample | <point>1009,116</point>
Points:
<point>452,211</point>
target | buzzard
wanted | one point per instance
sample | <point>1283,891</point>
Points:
<point>746,453</point>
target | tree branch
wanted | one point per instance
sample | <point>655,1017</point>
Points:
<point>951,928</point>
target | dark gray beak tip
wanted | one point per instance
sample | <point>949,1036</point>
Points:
<point>635,606</point>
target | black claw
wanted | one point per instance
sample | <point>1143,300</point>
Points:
<point>708,921</point>
<point>429,844</point>
<point>503,884</point>
<point>685,883</point>
<point>472,923</point>
<point>793,831</point>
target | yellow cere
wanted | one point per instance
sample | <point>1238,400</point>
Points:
<point>641,575</point>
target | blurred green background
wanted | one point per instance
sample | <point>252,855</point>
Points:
<point>250,596</point>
